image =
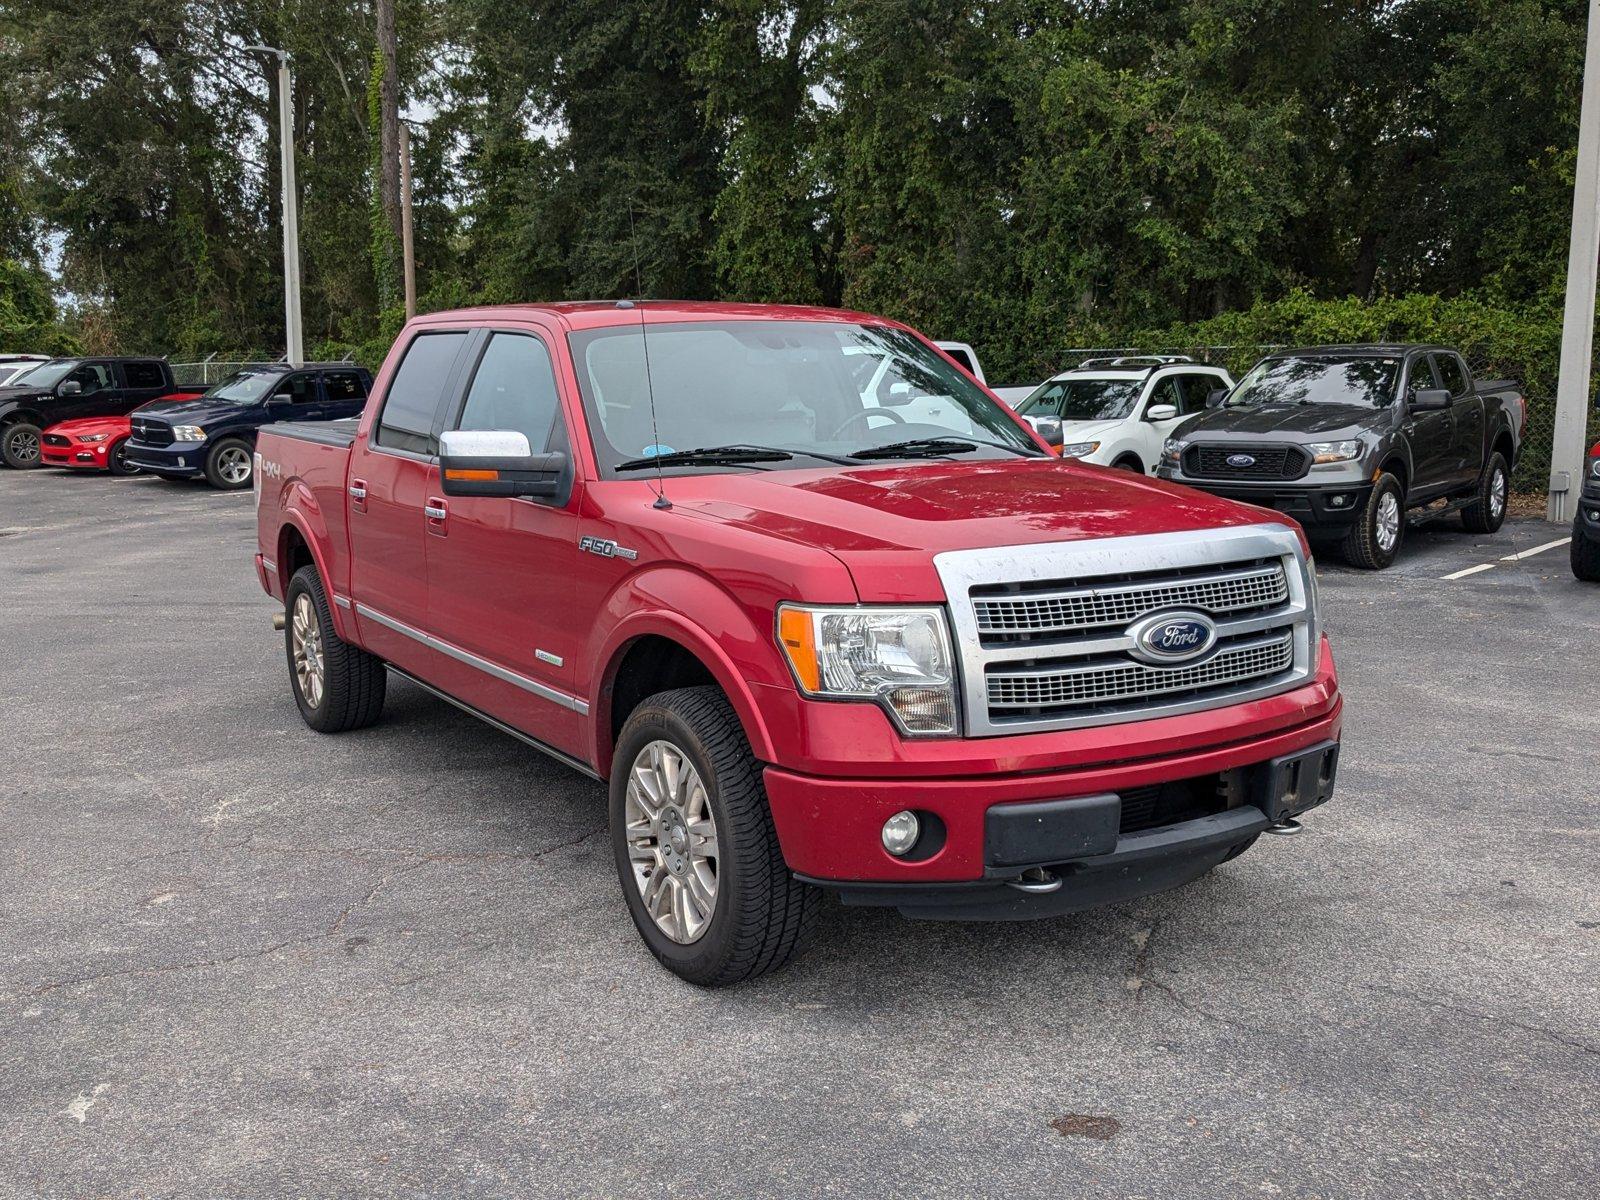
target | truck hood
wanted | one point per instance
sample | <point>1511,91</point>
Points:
<point>887,522</point>
<point>1309,422</point>
<point>188,412</point>
<point>31,395</point>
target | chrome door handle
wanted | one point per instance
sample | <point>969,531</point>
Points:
<point>437,513</point>
<point>357,492</point>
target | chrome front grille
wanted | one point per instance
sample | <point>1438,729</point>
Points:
<point>1235,588</point>
<point>1122,681</point>
<point>1046,633</point>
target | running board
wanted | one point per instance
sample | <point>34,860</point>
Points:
<point>1424,516</point>
<point>560,756</point>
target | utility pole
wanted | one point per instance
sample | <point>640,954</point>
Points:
<point>407,252</point>
<point>1577,324</point>
<point>294,340</point>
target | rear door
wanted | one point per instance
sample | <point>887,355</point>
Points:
<point>501,569</point>
<point>344,394</point>
<point>393,473</point>
<point>143,380</point>
<point>1431,434</point>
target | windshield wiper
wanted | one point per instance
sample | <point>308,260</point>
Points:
<point>707,456</point>
<point>938,447</point>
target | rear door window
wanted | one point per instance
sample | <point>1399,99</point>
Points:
<point>416,392</point>
<point>343,386</point>
<point>143,375</point>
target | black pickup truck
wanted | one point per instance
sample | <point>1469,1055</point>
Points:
<point>1352,441</point>
<point>65,389</point>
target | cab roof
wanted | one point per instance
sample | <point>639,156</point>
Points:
<point>595,314</point>
<point>1368,350</point>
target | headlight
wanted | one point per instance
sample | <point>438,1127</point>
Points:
<point>1172,451</point>
<point>188,433</point>
<point>91,437</point>
<point>897,657</point>
<point>1326,452</point>
<point>1079,449</point>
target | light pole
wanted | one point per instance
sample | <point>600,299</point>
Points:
<point>294,343</point>
<point>408,256</point>
<point>1577,324</point>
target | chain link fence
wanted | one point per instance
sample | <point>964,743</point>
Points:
<point>215,370</point>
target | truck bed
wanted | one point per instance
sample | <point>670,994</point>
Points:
<point>324,433</point>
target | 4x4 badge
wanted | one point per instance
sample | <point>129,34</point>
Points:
<point>606,548</point>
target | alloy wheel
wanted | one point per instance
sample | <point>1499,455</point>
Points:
<point>310,670</point>
<point>233,464</point>
<point>24,445</point>
<point>1388,521</point>
<point>672,841</point>
<point>1497,494</point>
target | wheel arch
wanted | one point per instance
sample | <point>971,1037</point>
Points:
<point>298,546</point>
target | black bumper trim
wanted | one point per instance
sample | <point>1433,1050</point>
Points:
<point>1308,505</point>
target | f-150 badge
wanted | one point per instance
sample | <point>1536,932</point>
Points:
<point>606,548</point>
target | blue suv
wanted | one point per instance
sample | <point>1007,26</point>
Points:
<point>215,436</point>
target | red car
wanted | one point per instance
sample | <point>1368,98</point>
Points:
<point>824,614</point>
<point>95,443</point>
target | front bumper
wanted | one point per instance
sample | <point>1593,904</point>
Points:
<point>180,458</point>
<point>1587,526</point>
<point>84,458</point>
<point>1322,506</point>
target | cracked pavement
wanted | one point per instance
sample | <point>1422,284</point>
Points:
<point>239,958</point>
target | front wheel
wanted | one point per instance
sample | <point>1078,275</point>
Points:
<point>228,465</point>
<point>695,848</point>
<point>1585,552</point>
<point>19,446</point>
<point>337,686</point>
<point>1374,540</point>
<point>117,460</point>
<point>1129,462</point>
<point>1487,512</point>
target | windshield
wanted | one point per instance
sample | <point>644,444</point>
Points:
<point>1083,399</point>
<point>813,389</point>
<point>48,374</point>
<point>1365,381</point>
<point>245,387</point>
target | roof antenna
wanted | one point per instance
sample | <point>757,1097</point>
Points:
<point>661,500</point>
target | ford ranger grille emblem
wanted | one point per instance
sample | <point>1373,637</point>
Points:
<point>1241,460</point>
<point>605,548</point>
<point>1172,637</point>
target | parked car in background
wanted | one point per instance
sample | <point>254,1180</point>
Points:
<point>1118,411</point>
<point>814,644</point>
<point>1351,440</point>
<point>94,443</point>
<point>215,437</point>
<point>64,389</point>
<point>966,357</point>
<point>1585,547</point>
<point>14,366</point>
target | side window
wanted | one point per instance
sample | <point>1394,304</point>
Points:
<point>514,388</point>
<point>1166,391</point>
<point>342,386</point>
<point>1197,390</point>
<point>1451,376</point>
<point>406,422</point>
<point>297,389</point>
<point>91,378</point>
<point>143,374</point>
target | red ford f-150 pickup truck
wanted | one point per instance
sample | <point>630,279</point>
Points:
<point>819,625</point>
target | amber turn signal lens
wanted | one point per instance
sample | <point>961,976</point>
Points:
<point>471,475</point>
<point>797,633</point>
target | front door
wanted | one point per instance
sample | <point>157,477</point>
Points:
<point>96,395</point>
<point>1432,436</point>
<point>394,470</point>
<point>501,569</point>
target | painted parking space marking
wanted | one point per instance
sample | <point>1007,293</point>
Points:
<point>1517,557</point>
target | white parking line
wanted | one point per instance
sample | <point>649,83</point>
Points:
<point>1537,550</point>
<point>1489,566</point>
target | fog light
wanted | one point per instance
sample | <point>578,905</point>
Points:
<point>900,833</point>
<point>1338,501</point>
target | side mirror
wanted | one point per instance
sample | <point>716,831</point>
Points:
<point>1430,399</point>
<point>71,388</point>
<point>1049,428</point>
<point>901,393</point>
<point>499,462</point>
<point>1215,398</point>
<point>1161,412</point>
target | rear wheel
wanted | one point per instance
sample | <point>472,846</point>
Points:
<point>1374,540</point>
<point>19,445</point>
<point>695,847</point>
<point>1487,512</point>
<point>117,460</point>
<point>1585,552</point>
<point>337,686</point>
<point>228,465</point>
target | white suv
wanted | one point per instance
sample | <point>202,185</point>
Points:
<point>1118,411</point>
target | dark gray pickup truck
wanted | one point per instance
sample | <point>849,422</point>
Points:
<point>1349,440</point>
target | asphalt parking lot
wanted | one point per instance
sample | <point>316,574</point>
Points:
<point>239,958</point>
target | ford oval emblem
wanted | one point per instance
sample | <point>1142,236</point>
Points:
<point>1172,637</point>
<point>1241,460</point>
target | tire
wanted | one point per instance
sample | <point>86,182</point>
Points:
<point>1374,540</point>
<point>19,445</point>
<point>226,469</point>
<point>1487,512</point>
<point>117,460</point>
<point>1585,552</point>
<point>1129,463</point>
<point>759,914</point>
<point>348,693</point>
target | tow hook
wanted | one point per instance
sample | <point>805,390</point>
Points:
<point>279,621</point>
<point>1287,827</point>
<point>1036,881</point>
